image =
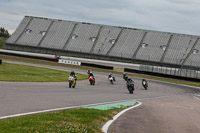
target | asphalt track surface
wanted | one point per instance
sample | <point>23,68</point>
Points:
<point>166,108</point>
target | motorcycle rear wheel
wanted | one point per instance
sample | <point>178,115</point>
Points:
<point>90,82</point>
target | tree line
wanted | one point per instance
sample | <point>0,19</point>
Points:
<point>4,32</point>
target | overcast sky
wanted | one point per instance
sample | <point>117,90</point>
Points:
<point>179,16</point>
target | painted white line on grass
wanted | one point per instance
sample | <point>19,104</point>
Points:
<point>108,123</point>
<point>57,109</point>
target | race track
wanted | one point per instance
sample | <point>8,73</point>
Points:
<point>166,107</point>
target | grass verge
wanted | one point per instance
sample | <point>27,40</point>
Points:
<point>79,120</point>
<point>15,72</point>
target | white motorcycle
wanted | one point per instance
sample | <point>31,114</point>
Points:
<point>144,84</point>
<point>112,79</point>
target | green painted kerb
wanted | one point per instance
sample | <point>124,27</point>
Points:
<point>113,105</point>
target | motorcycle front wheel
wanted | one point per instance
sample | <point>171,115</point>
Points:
<point>130,90</point>
<point>111,81</point>
<point>70,85</point>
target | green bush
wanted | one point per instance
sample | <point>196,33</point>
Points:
<point>4,32</point>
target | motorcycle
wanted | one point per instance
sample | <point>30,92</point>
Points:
<point>72,82</point>
<point>112,79</point>
<point>92,80</point>
<point>130,87</point>
<point>144,84</point>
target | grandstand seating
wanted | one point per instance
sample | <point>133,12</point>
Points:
<point>194,58</point>
<point>34,27</point>
<point>104,43</point>
<point>110,41</point>
<point>61,35</point>
<point>178,47</point>
<point>82,42</point>
<point>50,35</point>
<point>42,29</point>
<point>127,44</point>
<point>153,52</point>
<point>20,29</point>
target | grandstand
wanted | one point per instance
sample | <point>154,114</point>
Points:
<point>53,36</point>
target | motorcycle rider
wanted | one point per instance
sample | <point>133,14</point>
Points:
<point>130,85</point>
<point>129,81</point>
<point>73,75</point>
<point>125,76</point>
<point>91,74</point>
<point>110,75</point>
<point>144,82</point>
<point>88,71</point>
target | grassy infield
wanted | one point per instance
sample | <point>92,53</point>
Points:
<point>10,72</point>
<point>68,121</point>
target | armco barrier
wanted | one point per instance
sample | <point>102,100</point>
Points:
<point>56,60</point>
<point>30,56</point>
<point>97,65</point>
<point>161,75</point>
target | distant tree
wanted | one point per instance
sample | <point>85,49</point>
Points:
<point>4,32</point>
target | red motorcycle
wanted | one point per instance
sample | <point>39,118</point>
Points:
<point>92,80</point>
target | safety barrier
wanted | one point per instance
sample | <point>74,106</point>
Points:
<point>162,74</point>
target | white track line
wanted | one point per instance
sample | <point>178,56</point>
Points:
<point>197,98</point>
<point>150,98</point>
<point>191,108</point>
<point>108,123</point>
<point>57,109</point>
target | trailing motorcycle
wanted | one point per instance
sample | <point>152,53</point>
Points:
<point>144,84</point>
<point>92,80</point>
<point>72,82</point>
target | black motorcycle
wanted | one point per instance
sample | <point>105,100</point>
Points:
<point>144,84</point>
<point>130,87</point>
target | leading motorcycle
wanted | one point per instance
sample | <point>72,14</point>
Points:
<point>72,82</point>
